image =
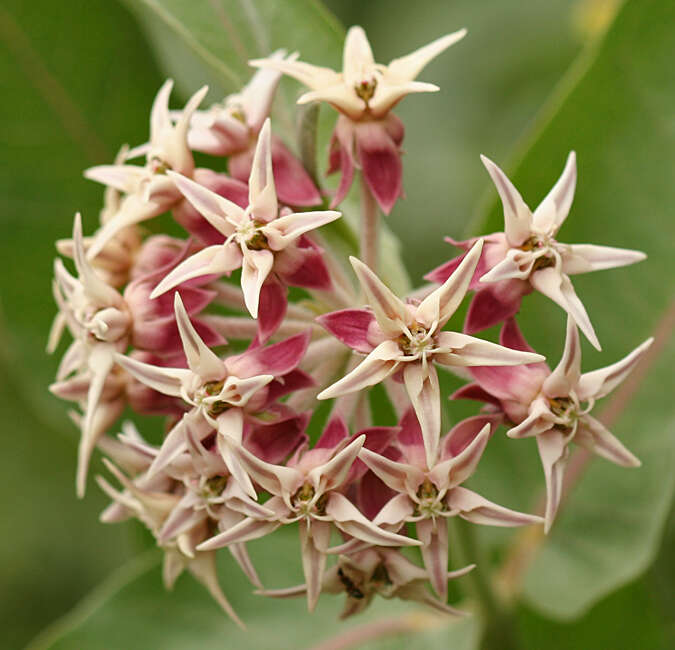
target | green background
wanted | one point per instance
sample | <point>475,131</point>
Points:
<point>531,81</point>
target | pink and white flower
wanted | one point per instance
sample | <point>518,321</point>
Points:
<point>259,239</point>
<point>149,191</point>
<point>231,127</point>
<point>308,490</point>
<point>528,256</point>
<point>429,493</point>
<point>405,338</point>
<point>367,135</point>
<point>555,406</point>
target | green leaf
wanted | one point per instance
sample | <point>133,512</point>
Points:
<point>68,102</point>
<point>186,617</point>
<point>616,112</point>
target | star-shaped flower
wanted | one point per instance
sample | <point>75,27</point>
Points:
<point>255,237</point>
<point>367,135</point>
<point>308,490</point>
<point>218,390</point>
<point>430,493</point>
<point>404,338</point>
<point>364,89</point>
<point>149,191</point>
<point>532,253</point>
<point>555,406</point>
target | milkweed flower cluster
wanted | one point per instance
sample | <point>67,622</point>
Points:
<point>203,332</point>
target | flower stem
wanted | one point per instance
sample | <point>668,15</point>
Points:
<point>370,222</point>
<point>499,632</point>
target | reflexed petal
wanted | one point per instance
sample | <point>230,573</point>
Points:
<point>477,510</point>
<point>494,303</point>
<point>294,184</point>
<point>557,286</point>
<point>213,260</point>
<point>349,520</point>
<point>455,349</point>
<point>380,161</point>
<point>278,359</point>
<point>262,195</point>
<point>517,216</point>
<point>440,305</point>
<point>422,386</point>
<point>350,326</point>
<point>598,383</point>
<point>409,66</point>
<point>240,554</point>
<point>389,310</point>
<point>583,258</point>
<point>554,453</point>
<point>434,538</point>
<point>566,374</point>
<point>202,361</point>
<point>254,271</point>
<point>216,209</point>
<point>553,210</point>
<point>272,307</point>
<point>596,438</point>
<point>377,366</point>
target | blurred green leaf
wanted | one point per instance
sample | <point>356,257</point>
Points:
<point>187,618</point>
<point>69,101</point>
<point>617,114</point>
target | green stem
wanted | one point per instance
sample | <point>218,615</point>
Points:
<point>370,226</point>
<point>500,633</point>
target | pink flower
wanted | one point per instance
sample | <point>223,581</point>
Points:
<point>217,390</point>
<point>404,338</point>
<point>259,239</point>
<point>528,256</point>
<point>231,127</point>
<point>428,493</point>
<point>367,135</point>
<point>555,406</point>
<point>149,191</point>
<point>308,489</point>
<point>99,320</point>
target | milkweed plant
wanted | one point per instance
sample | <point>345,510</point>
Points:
<point>237,332</point>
